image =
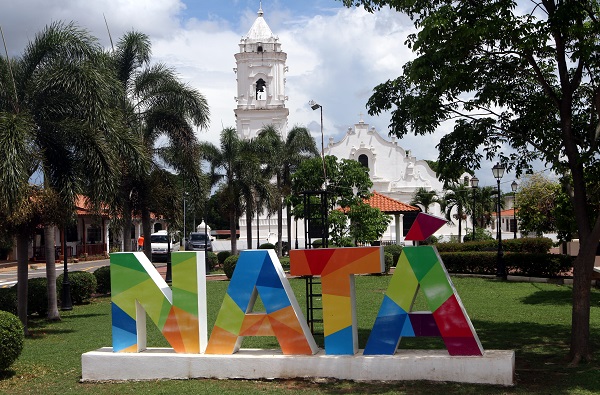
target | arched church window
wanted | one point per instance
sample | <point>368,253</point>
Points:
<point>261,94</point>
<point>363,160</point>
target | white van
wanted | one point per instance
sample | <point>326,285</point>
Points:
<point>160,245</point>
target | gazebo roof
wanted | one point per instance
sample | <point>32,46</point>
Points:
<point>389,205</point>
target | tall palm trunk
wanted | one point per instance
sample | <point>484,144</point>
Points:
<point>249,225</point>
<point>460,214</point>
<point>127,221</point>
<point>233,230</point>
<point>279,218</point>
<point>147,229</point>
<point>289,225</point>
<point>22,277</point>
<point>49,237</point>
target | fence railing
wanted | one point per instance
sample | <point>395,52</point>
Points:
<point>39,253</point>
<point>91,249</point>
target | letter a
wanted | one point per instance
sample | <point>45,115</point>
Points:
<point>422,266</point>
<point>260,272</point>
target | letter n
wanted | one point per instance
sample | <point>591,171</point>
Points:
<point>180,313</point>
<point>422,267</point>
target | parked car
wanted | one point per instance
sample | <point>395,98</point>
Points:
<point>197,241</point>
<point>161,244</point>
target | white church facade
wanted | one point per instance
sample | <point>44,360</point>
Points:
<point>260,72</point>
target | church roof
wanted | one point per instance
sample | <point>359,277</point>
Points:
<point>259,31</point>
<point>389,205</point>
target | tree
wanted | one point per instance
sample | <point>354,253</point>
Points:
<point>347,182</point>
<point>347,185</point>
<point>282,160</point>
<point>536,203</point>
<point>457,197</point>
<point>57,119</point>
<point>162,112</point>
<point>507,75</point>
<point>229,168</point>
<point>485,205</point>
<point>367,224</point>
<point>425,198</point>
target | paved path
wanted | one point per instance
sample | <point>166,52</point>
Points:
<point>8,273</point>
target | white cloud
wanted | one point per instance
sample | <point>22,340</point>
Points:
<point>335,57</point>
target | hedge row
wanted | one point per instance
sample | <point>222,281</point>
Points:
<point>517,263</point>
<point>537,245</point>
<point>83,285</point>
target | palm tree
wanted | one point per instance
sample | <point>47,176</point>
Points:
<point>282,159</point>
<point>229,167</point>
<point>456,197</point>
<point>157,107</point>
<point>57,119</point>
<point>485,208</point>
<point>425,198</point>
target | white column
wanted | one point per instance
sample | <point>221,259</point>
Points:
<point>106,238</point>
<point>401,226</point>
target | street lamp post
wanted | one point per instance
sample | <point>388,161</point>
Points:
<point>474,184</point>
<point>184,215</point>
<point>168,274</point>
<point>314,105</point>
<point>514,187</point>
<point>498,172</point>
<point>66,301</point>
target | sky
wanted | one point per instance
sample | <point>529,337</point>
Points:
<point>336,55</point>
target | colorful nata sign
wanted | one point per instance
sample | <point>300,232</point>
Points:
<point>180,312</point>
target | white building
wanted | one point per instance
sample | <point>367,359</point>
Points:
<point>394,171</point>
<point>260,71</point>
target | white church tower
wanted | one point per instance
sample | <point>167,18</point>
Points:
<point>260,81</point>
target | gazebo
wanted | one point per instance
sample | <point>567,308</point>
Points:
<point>390,206</point>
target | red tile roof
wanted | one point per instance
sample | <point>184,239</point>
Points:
<point>386,204</point>
<point>389,205</point>
<point>506,213</point>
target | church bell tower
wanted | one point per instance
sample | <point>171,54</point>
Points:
<point>260,81</point>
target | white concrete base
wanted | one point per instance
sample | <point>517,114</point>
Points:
<point>494,367</point>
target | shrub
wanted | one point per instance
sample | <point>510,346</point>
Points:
<point>470,262</point>
<point>345,242</point>
<point>431,240</point>
<point>285,262</point>
<point>388,259</point>
<point>229,265</point>
<point>222,255</point>
<point>531,245</point>
<point>37,296</point>
<point>317,243</point>
<point>211,261</point>
<point>83,285</point>
<point>537,265</point>
<point>395,250</point>
<point>266,246</point>
<point>480,234</point>
<point>8,300</point>
<point>11,339</point>
<point>525,264</point>
<point>102,275</point>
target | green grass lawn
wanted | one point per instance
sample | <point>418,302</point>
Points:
<point>532,319</point>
